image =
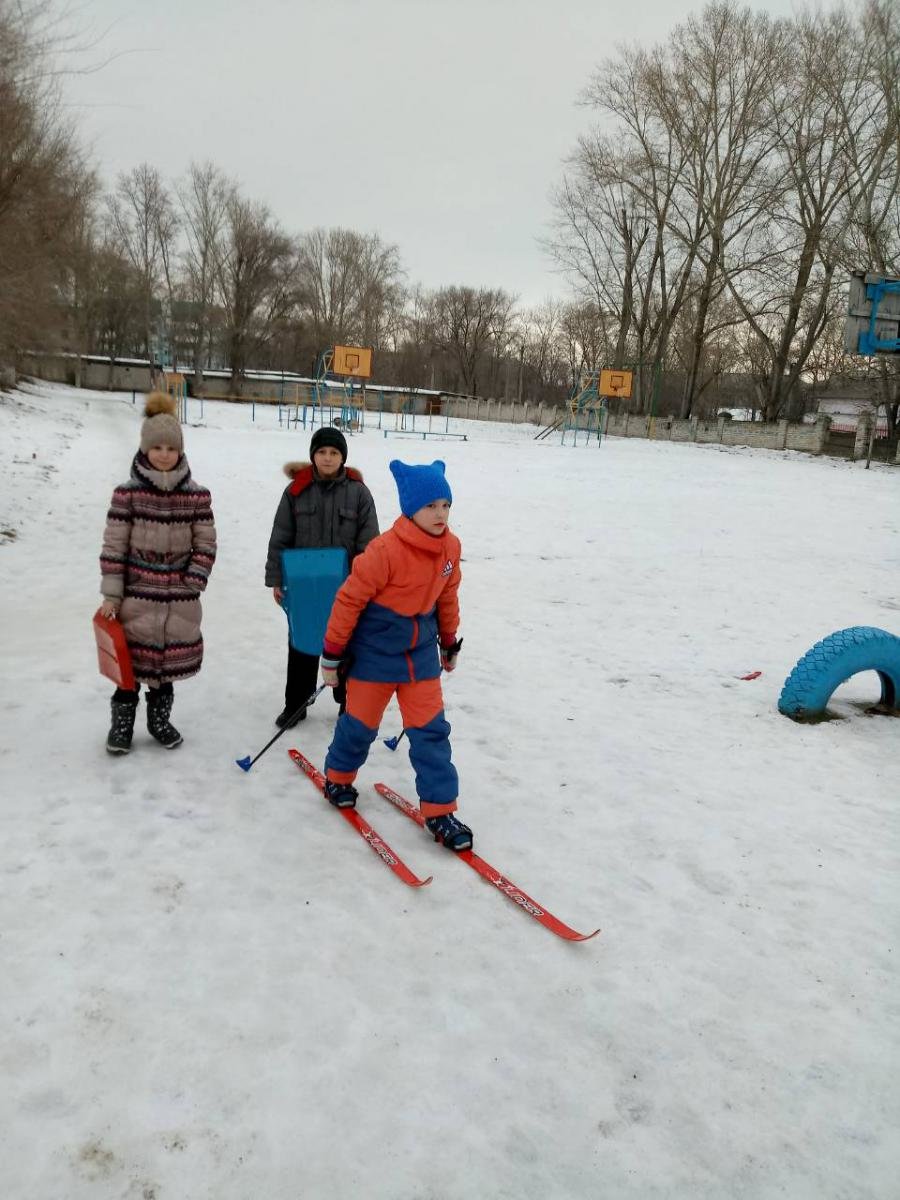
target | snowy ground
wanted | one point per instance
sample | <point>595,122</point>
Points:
<point>211,988</point>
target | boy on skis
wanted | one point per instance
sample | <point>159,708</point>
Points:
<point>392,629</point>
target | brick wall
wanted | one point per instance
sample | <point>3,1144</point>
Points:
<point>99,374</point>
<point>778,435</point>
<point>516,412</point>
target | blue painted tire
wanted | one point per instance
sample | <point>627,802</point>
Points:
<point>832,661</point>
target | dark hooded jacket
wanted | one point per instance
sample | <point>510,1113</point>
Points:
<point>315,513</point>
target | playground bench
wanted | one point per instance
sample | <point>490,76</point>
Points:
<point>423,433</point>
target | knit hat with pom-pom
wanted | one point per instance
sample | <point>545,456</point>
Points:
<point>161,427</point>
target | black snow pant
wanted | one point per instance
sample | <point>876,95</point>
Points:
<point>303,678</point>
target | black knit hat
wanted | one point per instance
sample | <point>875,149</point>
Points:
<point>328,436</point>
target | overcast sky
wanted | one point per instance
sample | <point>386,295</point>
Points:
<point>439,124</point>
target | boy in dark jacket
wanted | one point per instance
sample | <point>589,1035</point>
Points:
<point>394,623</point>
<point>326,504</point>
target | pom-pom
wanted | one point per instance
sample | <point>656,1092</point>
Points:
<point>159,402</point>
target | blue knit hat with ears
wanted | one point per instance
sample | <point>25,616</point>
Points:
<point>420,485</point>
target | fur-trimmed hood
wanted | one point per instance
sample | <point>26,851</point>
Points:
<point>301,475</point>
<point>293,468</point>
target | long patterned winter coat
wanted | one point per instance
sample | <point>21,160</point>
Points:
<point>158,550</point>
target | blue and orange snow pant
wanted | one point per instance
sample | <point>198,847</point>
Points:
<point>426,727</point>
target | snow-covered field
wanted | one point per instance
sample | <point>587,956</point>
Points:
<point>211,989</point>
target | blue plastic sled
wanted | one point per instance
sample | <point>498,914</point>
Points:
<point>832,661</point>
<point>311,579</point>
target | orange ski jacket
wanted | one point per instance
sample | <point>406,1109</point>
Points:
<point>399,600</point>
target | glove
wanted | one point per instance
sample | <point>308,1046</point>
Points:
<point>331,672</point>
<point>449,653</point>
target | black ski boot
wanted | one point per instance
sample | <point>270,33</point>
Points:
<point>451,831</point>
<point>159,709</point>
<point>341,795</point>
<point>118,740</point>
<point>289,717</point>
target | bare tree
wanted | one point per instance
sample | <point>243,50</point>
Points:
<point>116,302</point>
<point>540,356</point>
<point>415,352</point>
<point>104,291</point>
<point>721,352</point>
<point>81,289</point>
<point>657,209</point>
<point>44,182</point>
<point>467,323</point>
<point>380,288</point>
<point>143,223</point>
<point>715,99</point>
<point>739,166</point>
<point>824,117</point>
<point>585,337</point>
<point>871,117</point>
<point>599,234</point>
<point>350,285</point>
<point>204,196</point>
<point>625,228</point>
<point>255,282</point>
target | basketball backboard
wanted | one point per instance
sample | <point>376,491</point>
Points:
<point>352,360</point>
<point>615,383</point>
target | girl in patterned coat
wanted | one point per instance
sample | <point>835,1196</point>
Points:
<point>158,550</point>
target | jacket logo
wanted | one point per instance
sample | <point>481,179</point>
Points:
<point>448,568</point>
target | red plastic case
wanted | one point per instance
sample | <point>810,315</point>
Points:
<point>113,655</point>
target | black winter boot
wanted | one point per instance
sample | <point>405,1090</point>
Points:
<point>159,708</point>
<point>449,830</point>
<point>341,795</point>
<point>289,717</point>
<point>118,740</point>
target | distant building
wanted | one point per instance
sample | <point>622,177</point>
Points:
<point>844,409</point>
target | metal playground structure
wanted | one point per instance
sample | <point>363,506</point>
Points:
<point>331,396</point>
<point>587,409</point>
<point>405,418</point>
<point>338,396</point>
<point>175,385</point>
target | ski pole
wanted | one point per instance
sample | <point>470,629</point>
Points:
<point>246,763</point>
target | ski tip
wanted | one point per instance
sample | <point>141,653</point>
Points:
<point>244,763</point>
<point>567,933</point>
<point>391,742</point>
<point>415,882</point>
